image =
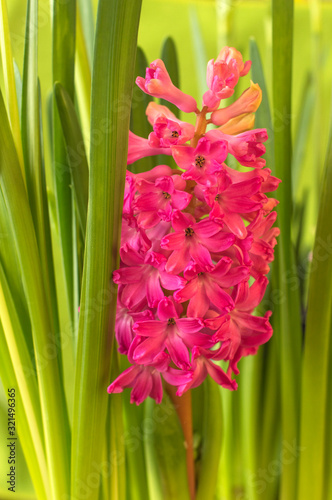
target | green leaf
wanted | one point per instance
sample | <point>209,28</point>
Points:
<point>263,114</point>
<point>115,49</point>
<point>88,27</point>
<point>10,81</point>
<point>32,150</point>
<point>52,401</point>
<point>200,57</point>
<point>139,124</point>
<point>165,442</point>
<point>83,71</point>
<point>211,441</point>
<point>63,61</point>
<point>289,310</point>
<point>16,361</point>
<point>63,57</point>
<point>170,58</point>
<point>314,422</point>
<point>115,435</point>
<point>76,151</point>
<point>137,487</point>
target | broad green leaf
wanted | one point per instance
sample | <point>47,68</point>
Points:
<point>316,358</point>
<point>76,151</point>
<point>52,401</point>
<point>289,309</point>
<point>170,58</point>
<point>10,81</point>
<point>211,441</point>
<point>115,49</point>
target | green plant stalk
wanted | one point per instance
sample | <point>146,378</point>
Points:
<point>10,82</point>
<point>290,319</point>
<point>316,352</point>
<point>52,401</point>
<point>35,458</point>
<point>23,370</point>
<point>115,48</point>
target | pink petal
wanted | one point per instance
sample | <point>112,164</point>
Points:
<point>220,376</point>
<point>149,328</point>
<point>189,325</point>
<point>166,309</point>
<point>178,351</point>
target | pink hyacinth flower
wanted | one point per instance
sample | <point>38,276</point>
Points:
<point>210,286</point>
<point>202,162</point>
<point>158,83</point>
<point>202,366</point>
<point>157,200</point>
<point>171,332</point>
<point>146,380</point>
<point>264,241</point>
<point>222,76</point>
<point>123,325</point>
<point>240,329</point>
<point>193,240</point>
<point>228,200</point>
<point>138,148</point>
<point>168,130</point>
<point>242,110</point>
<point>144,277</point>
<point>247,147</point>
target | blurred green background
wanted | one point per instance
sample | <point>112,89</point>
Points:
<point>200,29</point>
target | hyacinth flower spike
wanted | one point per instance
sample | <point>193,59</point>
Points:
<point>197,242</point>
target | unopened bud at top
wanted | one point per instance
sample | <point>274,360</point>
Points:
<point>158,83</point>
<point>223,75</point>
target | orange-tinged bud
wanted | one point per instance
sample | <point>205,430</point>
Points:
<point>248,102</point>
<point>239,124</point>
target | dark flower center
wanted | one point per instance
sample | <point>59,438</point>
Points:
<point>189,231</point>
<point>199,161</point>
<point>171,321</point>
<point>166,195</point>
<point>217,197</point>
<point>175,133</point>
